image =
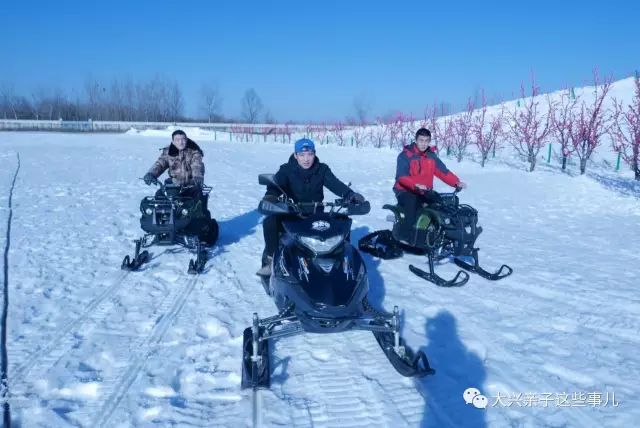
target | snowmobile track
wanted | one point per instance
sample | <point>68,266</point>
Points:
<point>170,310</point>
<point>339,397</point>
<point>22,370</point>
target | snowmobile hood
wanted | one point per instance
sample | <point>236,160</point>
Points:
<point>319,226</point>
<point>323,286</point>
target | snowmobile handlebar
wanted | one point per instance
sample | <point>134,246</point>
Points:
<point>351,208</point>
<point>454,193</point>
<point>164,187</point>
<point>286,205</point>
<point>289,207</point>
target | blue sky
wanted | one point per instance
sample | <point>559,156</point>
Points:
<point>308,60</point>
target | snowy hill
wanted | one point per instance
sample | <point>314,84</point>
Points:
<point>92,346</point>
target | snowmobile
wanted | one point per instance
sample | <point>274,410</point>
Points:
<point>319,284</point>
<point>443,229</point>
<point>175,215</point>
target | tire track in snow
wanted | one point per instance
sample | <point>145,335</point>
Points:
<point>222,288</point>
<point>62,339</point>
<point>170,310</point>
<point>345,377</point>
<point>5,306</point>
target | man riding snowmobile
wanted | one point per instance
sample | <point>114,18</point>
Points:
<point>416,167</point>
<point>178,213</point>
<point>302,178</point>
<point>320,285</point>
<point>183,160</point>
<point>429,222</point>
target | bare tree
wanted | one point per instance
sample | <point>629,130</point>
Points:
<point>378,133</point>
<point>47,104</point>
<point>431,122</point>
<point>393,129</point>
<point>9,100</point>
<point>338,132</point>
<point>38,103</point>
<point>210,101</point>
<point>251,106</point>
<point>95,98</point>
<point>175,101</point>
<point>562,123</point>
<point>625,131</point>
<point>445,108</point>
<point>362,105</point>
<point>114,101</point>
<point>129,100</point>
<point>529,127</point>
<point>408,126</point>
<point>158,100</point>
<point>268,117</point>
<point>358,132</point>
<point>591,123</point>
<point>486,130</point>
<point>320,132</point>
<point>462,134</point>
<point>447,134</point>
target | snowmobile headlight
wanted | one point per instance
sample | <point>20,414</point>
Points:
<point>148,211</point>
<point>319,246</point>
<point>184,212</point>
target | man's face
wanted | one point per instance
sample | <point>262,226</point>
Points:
<point>305,159</point>
<point>180,141</point>
<point>423,142</point>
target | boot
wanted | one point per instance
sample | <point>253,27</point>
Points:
<point>404,233</point>
<point>265,270</point>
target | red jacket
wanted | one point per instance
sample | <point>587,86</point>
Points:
<point>416,167</point>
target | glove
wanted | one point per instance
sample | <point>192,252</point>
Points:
<point>270,198</point>
<point>355,198</point>
<point>198,181</point>
<point>149,179</point>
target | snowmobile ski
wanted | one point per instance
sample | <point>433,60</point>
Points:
<point>139,258</point>
<point>503,272</point>
<point>438,280</point>
<point>256,372</point>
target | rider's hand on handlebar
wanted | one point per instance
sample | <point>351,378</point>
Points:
<point>271,198</point>
<point>198,181</point>
<point>461,185</point>
<point>421,189</point>
<point>355,198</point>
<point>149,179</point>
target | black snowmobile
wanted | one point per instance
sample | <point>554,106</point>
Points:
<point>176,215</point>
<point>319,284</point>
<point>443,229</point>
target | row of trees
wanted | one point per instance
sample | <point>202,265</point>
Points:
<point>156,100</point>
<point>578,124</point>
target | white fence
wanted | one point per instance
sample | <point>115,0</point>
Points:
<point>109,126</point>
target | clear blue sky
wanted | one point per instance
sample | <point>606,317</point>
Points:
<point>308,60</point>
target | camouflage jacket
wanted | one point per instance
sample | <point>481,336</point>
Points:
<point>183,165</point>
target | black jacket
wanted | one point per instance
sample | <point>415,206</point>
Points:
<point>306,185</point>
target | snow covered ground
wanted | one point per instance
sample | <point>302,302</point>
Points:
<point>90,345</point>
